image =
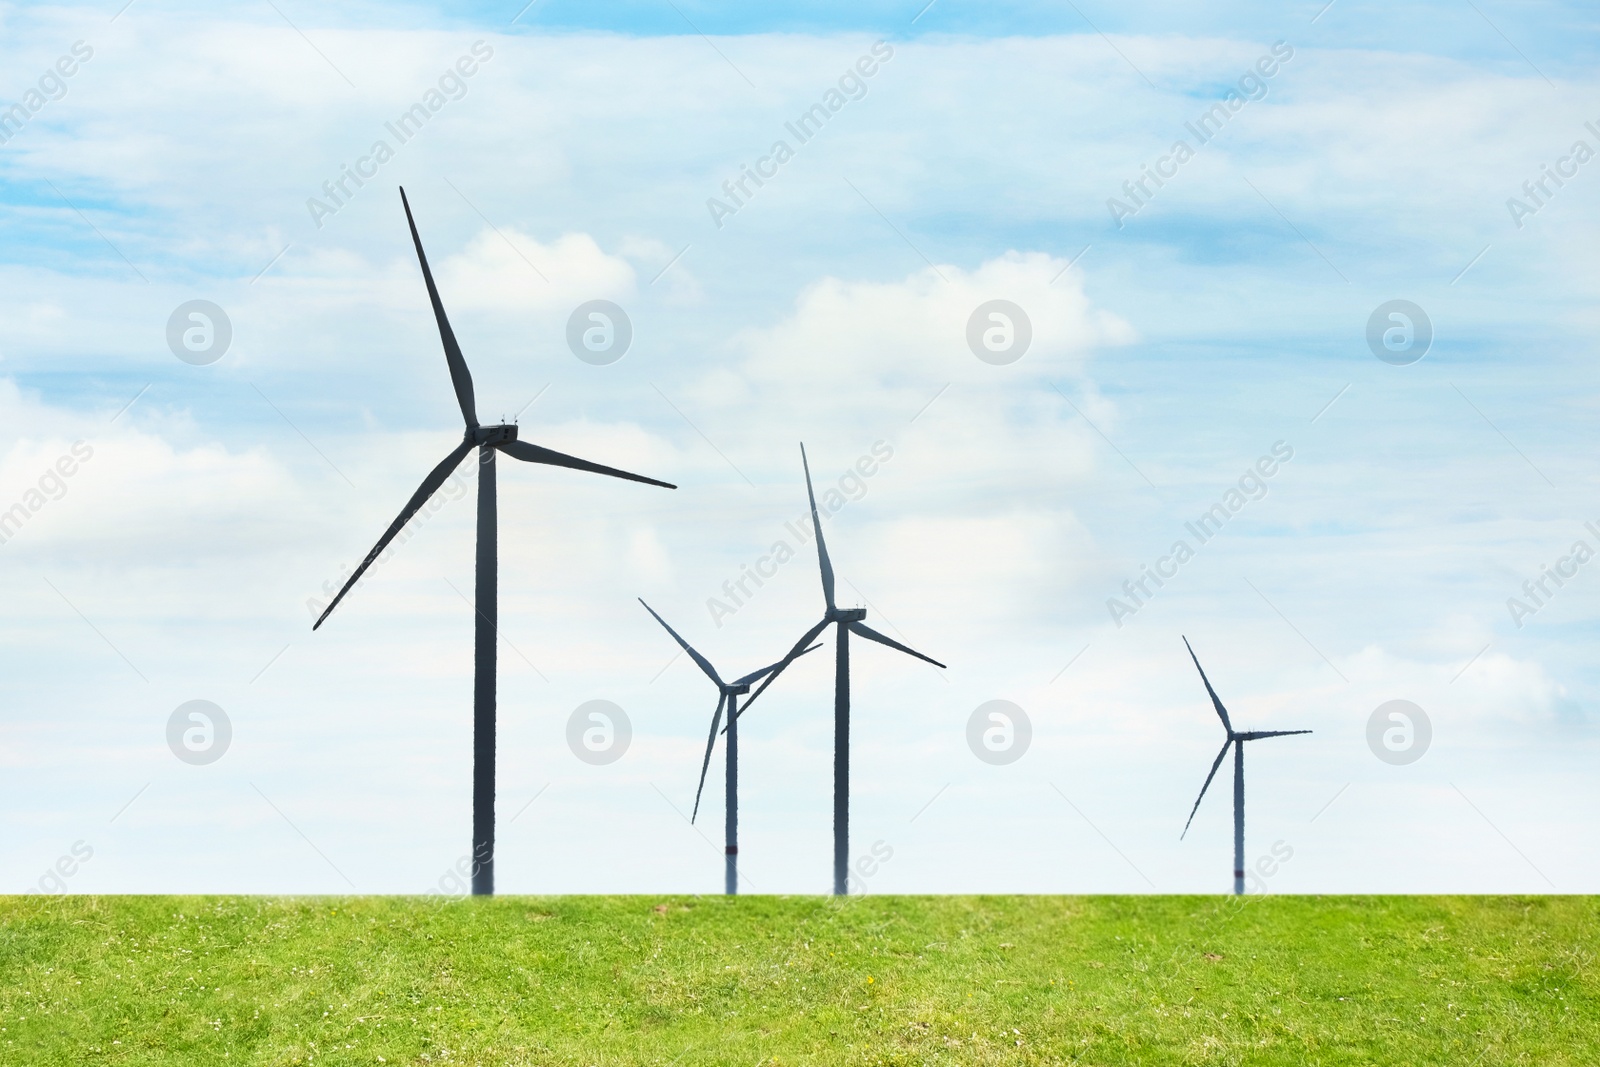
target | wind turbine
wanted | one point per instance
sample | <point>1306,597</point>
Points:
<point>848,621</point>
<point>1237,738</point>
<point>730,694</point>
<point>487,440</point>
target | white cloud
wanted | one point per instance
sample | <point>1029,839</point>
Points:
<point>879,333</point>
<point>510,272</point>
<point>115,491</point>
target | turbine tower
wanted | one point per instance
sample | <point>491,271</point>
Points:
<point>729,698</point>
<point>847,621</point>
<point>1236,738</point>
<point>488,440</point>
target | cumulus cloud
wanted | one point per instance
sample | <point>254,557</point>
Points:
<point>879,333</point>
<point>117,491</point>
<point>508,271</point>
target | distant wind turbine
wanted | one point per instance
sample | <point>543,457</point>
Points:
<point>487,440</point>
<point>1237,738</point>
<point>729,698</point>
<point>848,620</point>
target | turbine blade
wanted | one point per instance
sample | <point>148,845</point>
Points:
<point>1203,788</point>
<point>530,453</point>
<point>794,653</point>
<point>872,635</point>
<point>822,548</point>
<point>460,377</point>
<point>1256,735</point>
<point>1215,702</point>
<point>756,676</point>
<point>706,763</point>
<point>429,486</point>
<point>697,657</point>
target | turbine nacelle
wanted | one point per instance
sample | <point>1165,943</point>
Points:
<point>492,435</point>
<point>1256,735</point>
<point>846,614</point>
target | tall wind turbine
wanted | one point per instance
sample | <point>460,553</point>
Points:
<point>487,440</point>
<point>1236,738</point>
<point>848,621</point>
<point>729,698</point>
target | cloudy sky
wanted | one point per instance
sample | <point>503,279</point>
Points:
<point>1185,335</point>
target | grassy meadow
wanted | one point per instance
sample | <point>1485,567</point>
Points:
<point>1464,981</point>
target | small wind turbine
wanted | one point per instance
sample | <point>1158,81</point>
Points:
<point>731,692</point>
<point>848,620</point>
<point>1237,738</point>
<point>488,440</point>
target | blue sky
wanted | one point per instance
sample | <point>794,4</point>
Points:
<point>1169,354</point>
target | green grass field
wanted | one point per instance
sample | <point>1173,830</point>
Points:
<point>800,980</point>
